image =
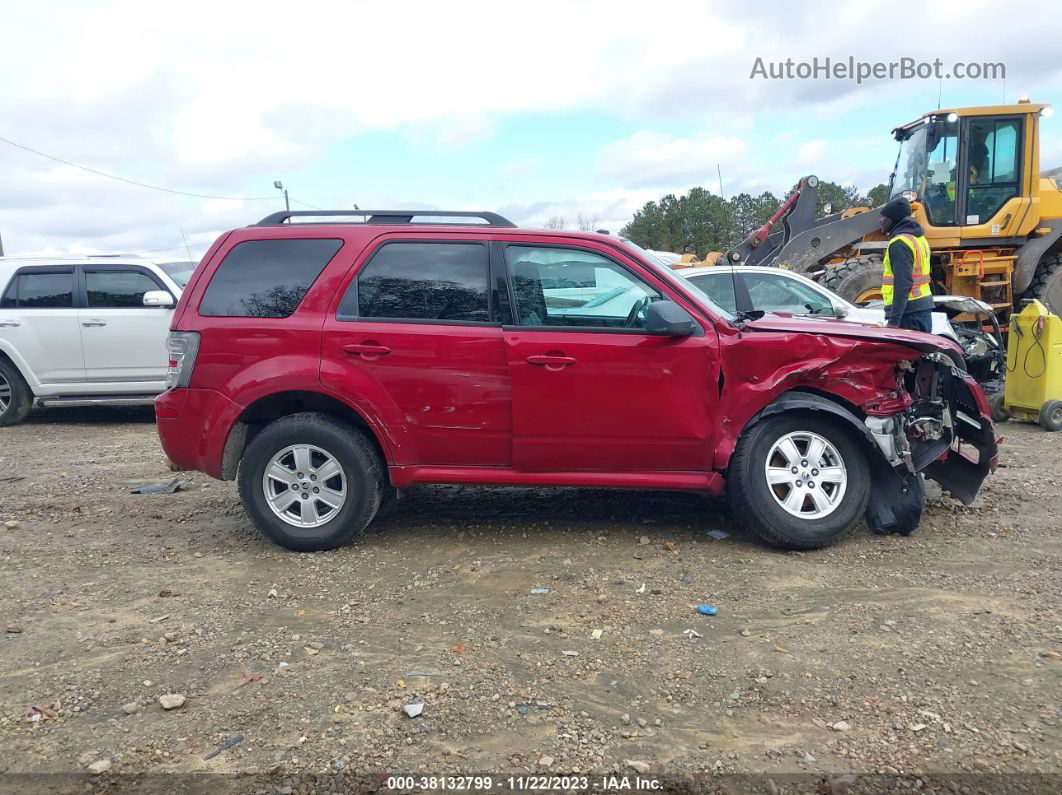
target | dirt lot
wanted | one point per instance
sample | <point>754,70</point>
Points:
<point>935,655</point>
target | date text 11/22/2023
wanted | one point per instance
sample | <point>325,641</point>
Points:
<point>524,783</point>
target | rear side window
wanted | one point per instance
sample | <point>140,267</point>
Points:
<point>444,282</point>
<point>114,289</point>
<point>40,290</point>
<point>266,278</point>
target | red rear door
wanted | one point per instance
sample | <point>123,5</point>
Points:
<point>414,339</point>
<point>590,389</point>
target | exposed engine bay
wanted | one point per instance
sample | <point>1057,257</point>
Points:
<point>943,432</point>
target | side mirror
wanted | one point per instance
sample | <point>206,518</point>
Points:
<point>840,310</point>
<point>669,319</point>
<point>158,298</point>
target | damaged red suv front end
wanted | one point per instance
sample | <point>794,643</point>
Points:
<point>923,414</point>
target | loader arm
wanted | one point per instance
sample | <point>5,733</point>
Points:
<point>795,239</point>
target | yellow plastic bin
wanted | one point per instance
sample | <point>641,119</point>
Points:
<point>1032,390</point>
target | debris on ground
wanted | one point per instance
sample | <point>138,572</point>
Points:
<point>692,634</point>
<point>718,535</point>
<point>414,709</point>
<point>248,678</point>
<point>170,487</point>
<point>707,610</point>
<point>172,701</point>
<point>539,591</point>
<point>99,767</point>
<point>229,743</point>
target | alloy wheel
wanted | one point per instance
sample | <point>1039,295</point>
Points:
<point>304,485</point>
<point>806,475</point>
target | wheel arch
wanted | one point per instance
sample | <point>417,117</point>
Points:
<point>813,400</point>
<point>20,367</point>
<point>888,509</point>
<point>268,408</point>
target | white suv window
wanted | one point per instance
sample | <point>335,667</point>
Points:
<point>40,289</point>
<point>117,288</point>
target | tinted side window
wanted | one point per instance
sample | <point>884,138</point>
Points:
<point>31,290</point>
<point>422,281</point>
<point>110,288</point>
<point>266,278</point>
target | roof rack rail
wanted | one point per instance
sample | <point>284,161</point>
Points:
<point>388,216</point>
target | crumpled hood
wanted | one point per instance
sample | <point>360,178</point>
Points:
<point>835,327</point>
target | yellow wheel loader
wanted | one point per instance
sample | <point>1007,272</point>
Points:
<point>993,221</point>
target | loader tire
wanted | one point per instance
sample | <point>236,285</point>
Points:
<point>853,279</point>
<point>1046,285</point>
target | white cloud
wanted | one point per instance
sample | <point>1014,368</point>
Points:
<point>210,95</point>
<point>650,158</point>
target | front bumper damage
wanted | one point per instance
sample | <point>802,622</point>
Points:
<point>943,431</point>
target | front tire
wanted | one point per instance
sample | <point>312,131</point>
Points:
<point>16,399</point>
<point>807,509</point>
<point>310,482</point>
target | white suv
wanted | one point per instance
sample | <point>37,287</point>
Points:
<point>86,330</point>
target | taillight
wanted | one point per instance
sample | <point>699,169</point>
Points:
<point>181,347</point>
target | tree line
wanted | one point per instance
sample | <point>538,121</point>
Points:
<point>700,221</point>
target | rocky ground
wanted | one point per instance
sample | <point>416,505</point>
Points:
<point>541,631</point>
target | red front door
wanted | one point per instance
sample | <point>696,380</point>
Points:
<point>590,389</point>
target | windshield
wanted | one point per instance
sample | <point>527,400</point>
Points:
<point>910,163</point>
<point>180,272</point>
<point>683,284</point>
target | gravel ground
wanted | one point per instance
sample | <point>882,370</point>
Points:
<point>932,658</point>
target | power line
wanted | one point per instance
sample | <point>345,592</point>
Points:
<point>304,204</point>
<point>134,182</point>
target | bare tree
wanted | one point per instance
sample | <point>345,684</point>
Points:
<point>588,223</point>
<point>556,222</point>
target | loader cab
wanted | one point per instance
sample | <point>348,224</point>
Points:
<point>973,171</point>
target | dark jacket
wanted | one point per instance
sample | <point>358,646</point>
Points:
<point>902,260</point>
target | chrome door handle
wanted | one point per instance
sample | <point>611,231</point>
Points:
<point>10,323</point>
<point>91,323</point>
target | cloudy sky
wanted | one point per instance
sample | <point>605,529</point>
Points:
<point>533,109</point>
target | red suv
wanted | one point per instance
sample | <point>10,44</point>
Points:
<point>325,363</point>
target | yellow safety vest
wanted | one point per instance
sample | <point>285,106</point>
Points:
<point>920,271</point>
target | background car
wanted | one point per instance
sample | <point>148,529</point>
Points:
<point>81,331</point>
<point>779,290</point>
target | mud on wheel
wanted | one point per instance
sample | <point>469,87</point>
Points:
<point>798,481</point>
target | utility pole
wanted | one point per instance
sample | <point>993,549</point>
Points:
<point>280,186</point>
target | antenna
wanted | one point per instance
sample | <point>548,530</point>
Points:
<point>940,90</point>
<point>187,250</point>
<point>741,305</point>
<point>726,207</point>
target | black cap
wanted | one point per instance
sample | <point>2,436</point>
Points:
<point>897,209</point>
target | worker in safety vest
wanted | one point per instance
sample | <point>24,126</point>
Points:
<point>905,280</point>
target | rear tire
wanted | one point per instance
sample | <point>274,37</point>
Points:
<point>16,399</point>
<point>1051,415</point>
<point>1046,285</point>
<point>758,504</point>
<point>854,277</point>
<point>354,491</point>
